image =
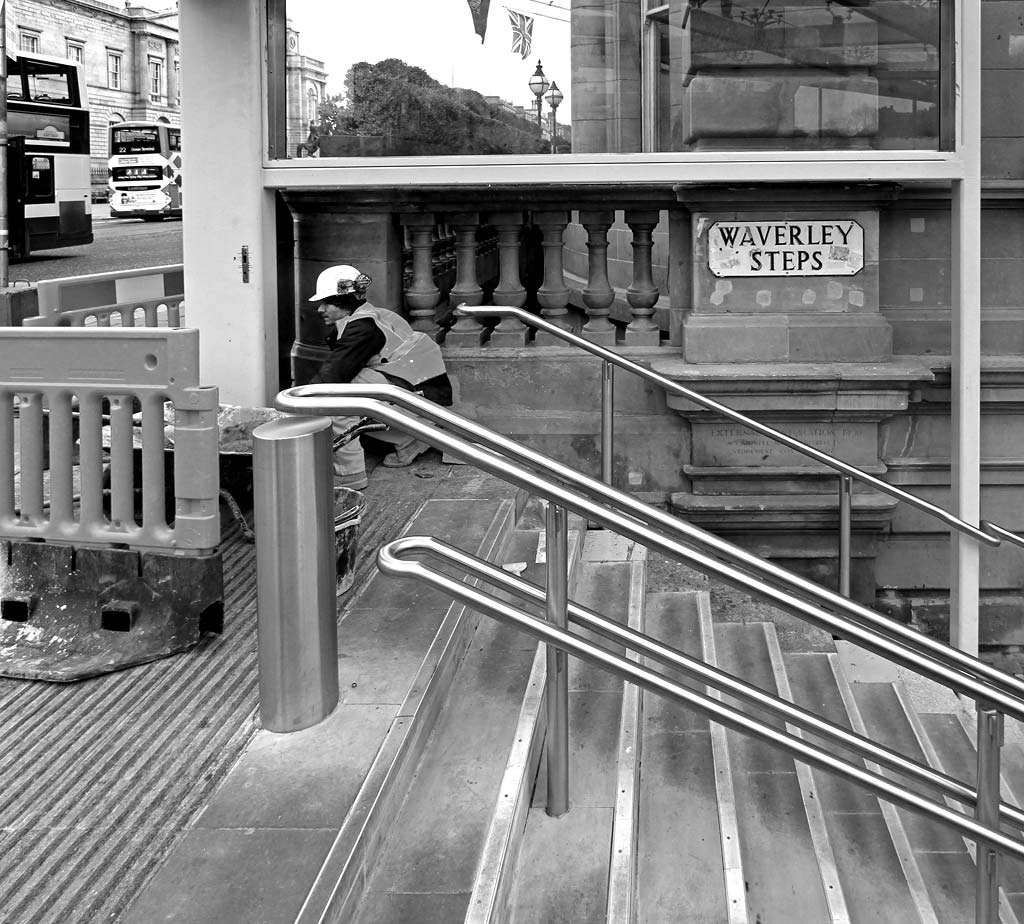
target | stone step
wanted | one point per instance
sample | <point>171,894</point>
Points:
<point>950,742</point>
<point>786,864</point>
<point>537,868</point>
<point>946,867</point>
<point>678,851</point>
<point>873,861</point>
<point>425,870</point>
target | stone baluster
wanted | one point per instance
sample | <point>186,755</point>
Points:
<point>422,295</point>
<point>446,257</point>
<point>598,294</point>
<point>642,295</point>
<point>553,295</point>
<point>510,290</point>
<point>467,332</point>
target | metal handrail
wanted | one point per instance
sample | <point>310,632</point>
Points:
<point>390,560</point>
<point>656,529</point>
<point>699,671</point>
<point>989,533</point>
<point>994,693</point>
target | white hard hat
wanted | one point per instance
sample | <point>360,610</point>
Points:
<point>340,280</point>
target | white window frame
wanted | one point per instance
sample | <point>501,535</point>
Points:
<point>115,73</point>
<point>29,41</point>
<point>156,79</point>
<point>72,45</point>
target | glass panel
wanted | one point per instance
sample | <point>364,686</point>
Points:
<point>472,77</point>
<point>49,82</point>
<point>800,75</point>
<point>138,140</point>
<point>40,128</point>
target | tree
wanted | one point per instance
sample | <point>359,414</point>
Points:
<point>415,114</point>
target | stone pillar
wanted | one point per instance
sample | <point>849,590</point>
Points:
<point>510,291</point>
<point>553,295</point>
<point>786,275</point>
<point>785,328</point>
<point>466,290</point>
<point>444,257</point>
<point>642,295</point>
<point>172,74</point>
<point>598,294</point>
<point>422,295</point>
<point>326,236</point>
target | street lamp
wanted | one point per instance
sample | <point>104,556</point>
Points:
<point>554,97</point>
<point>539,85</point>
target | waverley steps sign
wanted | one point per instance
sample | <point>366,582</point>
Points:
<point>786,248</point>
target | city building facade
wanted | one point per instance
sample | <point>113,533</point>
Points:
<point>132,60</point>
<point>131,56</point>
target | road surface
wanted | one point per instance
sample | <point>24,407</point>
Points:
<point>118,244</point>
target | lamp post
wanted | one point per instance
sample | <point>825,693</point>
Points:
<point>554,97</point>
<point>539,85</point>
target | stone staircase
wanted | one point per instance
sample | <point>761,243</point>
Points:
<point>672,818</point>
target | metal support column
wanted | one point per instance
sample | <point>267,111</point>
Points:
<point>845,518</point>
<point>557,543</point>
<point>607,421</point>
<point>990,740</point>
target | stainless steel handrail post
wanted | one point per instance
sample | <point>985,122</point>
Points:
<point>845,505</point>
<point>607,421</point>
<point>556,534</point>
<point>297,630</point>
<point>986,812</point>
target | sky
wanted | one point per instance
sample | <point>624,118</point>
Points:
<point>438,36</point>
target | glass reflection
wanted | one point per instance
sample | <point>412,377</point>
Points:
<point>460,77</point>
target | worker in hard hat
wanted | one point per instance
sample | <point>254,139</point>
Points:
<point>371,345</point>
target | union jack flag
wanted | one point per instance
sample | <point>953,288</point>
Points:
<point>522,33</point>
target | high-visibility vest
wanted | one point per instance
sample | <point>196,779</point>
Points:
<point>407,354</point>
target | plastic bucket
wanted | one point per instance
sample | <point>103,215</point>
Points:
<point>348,512</point>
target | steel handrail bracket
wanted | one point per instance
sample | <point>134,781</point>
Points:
<point>619,511</point>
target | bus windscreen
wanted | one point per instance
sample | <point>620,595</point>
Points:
<point>49,83</point>
<point>134,141</point>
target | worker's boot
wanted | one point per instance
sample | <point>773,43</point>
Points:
<point>405,454</point>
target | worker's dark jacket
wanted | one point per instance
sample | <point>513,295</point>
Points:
<point>372,339</point>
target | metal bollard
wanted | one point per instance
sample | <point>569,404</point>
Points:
<point>293,493</point>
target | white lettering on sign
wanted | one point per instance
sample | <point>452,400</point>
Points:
<point>786,248</point>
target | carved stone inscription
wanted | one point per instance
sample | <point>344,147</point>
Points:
<point>786,248</point>
<point>733,445</point>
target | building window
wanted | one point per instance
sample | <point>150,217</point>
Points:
<point>75,51</point>
<point>113,70</point>
<point>156,80</point>
<point>28,41</point>
<point>177,81</point>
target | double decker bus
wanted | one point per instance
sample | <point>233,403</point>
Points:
<point>49,197</point>
<point>144,174</point>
